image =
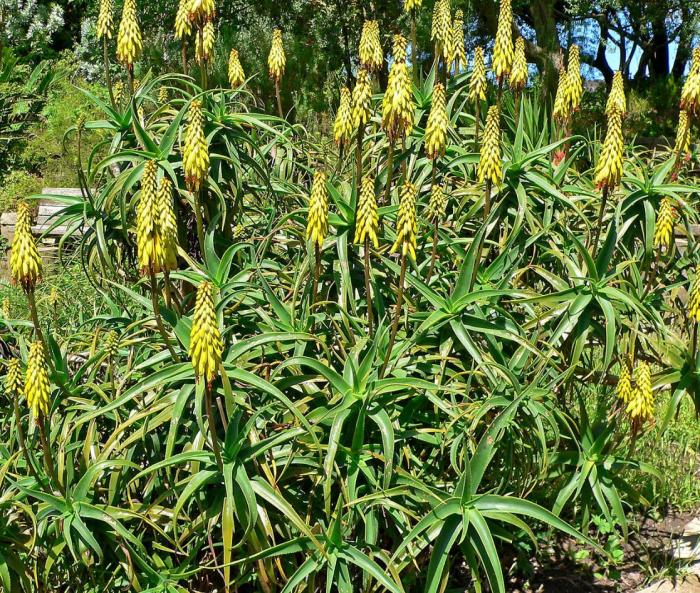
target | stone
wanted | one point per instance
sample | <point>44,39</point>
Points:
<point>688,545</point>
<point>683,584</point>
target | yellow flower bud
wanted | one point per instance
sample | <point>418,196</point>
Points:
<point>204,47</point>
<point>201,11</point>
<point>690,95</point>
<point>641,404</point>
<point>129,42</point>
<point>276,61</point>
<point>609,169</point>
<point>236,76</point>
<point>441,32</point>
<point>490,158</point>
<point>183,27</point>
<point>406,225</point>
<point>694,297</point>
<point>206,345</point>
<point>459,53</point>
<point>36,382</point>
<point>147,235</point>
<point>624,383</point>
<point>371,53</point>
<point>518,73</point>
<point>342,127</point>
<point>503,47</point>
<point>317,220</point>
<point>13,377</point>
<point>195,153</point>
<point>167,256</point>
<point>25,263</point>
<point>575,84</point>
<point>361,99</point>
<point>438,123</point>
<point>477,82</point>
<point>397,106</point>
<point>616,99</point>
<point>560,112</point>
<point>663,235</point>
<point>682,147</point>
<point>367,218</point>
<point>437,205</point>
<point>105,19</point>
<point>410,5</point>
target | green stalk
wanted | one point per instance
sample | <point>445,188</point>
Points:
<point>368,287</point>
<point>50,469</point>
<point>433,255</point>
<point>279,98</point>
<point>212,428</point>
<point>397,316</point>
<point>22,442</point>
<point>414,46</point>
<point>157,315</point>
<point>389,172</point>
<point>108,77</point>
<point>599,223</point>
<point>317,273</point>
<point>198,219</point>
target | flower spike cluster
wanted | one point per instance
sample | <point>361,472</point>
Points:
<point>397,107</point>
<point>609,168</point>
<point>624,383</point>
<point>367,219</point>
<point>25,262</point>
<point>575,83</point>
<point>361,99</point>
<point>694,297</point>
<point>276,61</point>
<point>370,51</point>
<point>438,204</point>
<point>665,221</point>
<point>690,95</point>
<point>105,19</point>
<point>129,42</point>
<point>206,345</point>
<point>441,33</point>
<point>236,76</point>
<point>343,125</point>
<point>518,73</point>
<point>459,53</point>
<point>490,158</point>
<point>195,153</point>
<point>37,388</point>
<point>682,147</point>
<point>560,112</point>
<point>406,225</point>
<point>477,82</point>
<point>503,48</point>
<point>204,46</point>
<point>183,27</point>
<point>317,221</point>
<point>641,404</point>
<point>617,103</point>
<point>13,377</point>
<point>438,123</point>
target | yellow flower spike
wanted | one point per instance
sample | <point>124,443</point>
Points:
<point>459,53</point>
<point>25,263</point>
<point>641,404</point>
<point>206,38</point>
<point>342,127</point>
<point>276,61</point>
<point>616,99</point>
<point>608,171</point>
<point>560,111</point>
<point>370,50</point>
<point>438,122</point>
<point>167,260</point>
<point>112,344</point>
<point>624,383</point>
<point>397,106</point>
<point>129,43</point>
<point>206,345</point>
<point>183,27</point>
<point>410,5</point>
<point>236,76</point>
<point>518,73</point>
<point>201,10</point>
<point>13,377</point>
<point>118,90</point>
<point>477,82</point>
<point>195,154</point>
<point>147,227</point>
<point>36,382</point>
<point>367,218</point>
<point>406,225</point>
<point>503,47</point>
<point>441,32</point>
<point>663,235</point>
<point>6,308</point>
<point>163,95</point>
<point>437,205</point>
<point>361,99</point>
<point>575,83</point>
<point>694,297</point>
<point>682,147</point>
<point>317,220</point>
<point>105,19</point>
<point>490,159</point>
<point>690,95</point>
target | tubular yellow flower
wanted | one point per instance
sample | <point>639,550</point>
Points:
<point>105,19</point>
<point>441,32</point>
<point>201,10</point>
<point>163,95</point>
<point>694,297</point>
<point>25,263</point>
<point>147,231</point>
<point>406,225</point>
<point>503,47</point>
<point>183,27</point>
<point>575,84</point>
<point>236,76</point>
<point>624,383</point>
<point>616,99</point>
<point>6,308</point>
<point>437,204</point>
<point>459,53</point>
<point>129,42</point>
<point>560,112</point>
<point>609,168</point>
<point>477,82</point>
<point>682,148</point>
<point>317,220</point>
<point>195,154</point>
<point>112,344</point>
<point>361,99</point>
<point>36,382</point>
<point>167,258</point>
<point>490,158</point>
<point>13,377</point>
<point>367,219</point>
<point>438,122</point>
<point>641,404</point>
<point>410,5</point>
<point>206,345</point>
<point>518,73</point>
<point>690,95</point>
<point>342,127</point>
<point>664,224</point>
<point>118,91</point>
<point>397,106</point>
<point>371,54</point>
<point>206,39</point>
<point>276,61</point>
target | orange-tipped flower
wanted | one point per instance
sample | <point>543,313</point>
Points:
<point>690,95</point>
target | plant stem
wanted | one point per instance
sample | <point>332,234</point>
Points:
<point>183,55</point>
<point>159,319</point>
<point>279,98</point>
<point>22,442</point>
<point>518,95</point>
<point>368,287</point>
<point>198,218</point>
<point>31,301</point>
<point>317,273</point>
<point>477,118</point>
<point>599,224</point>
<point>389,173</point>
<point>397,315</point>
<point>108,77</point>
<point>212,427</point>
<point>130,73</point>
<point>50,469</point>
<point>414,47</point>
<point>480,248</point>
<point>433,255</point>
<point>358,157</point>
